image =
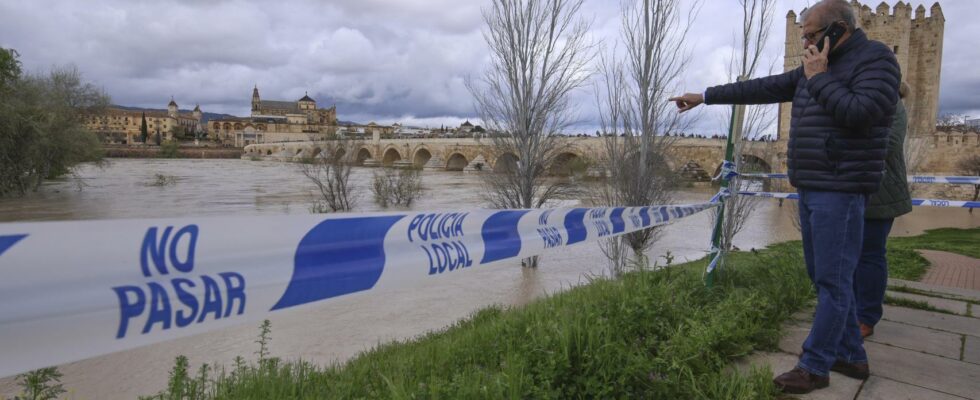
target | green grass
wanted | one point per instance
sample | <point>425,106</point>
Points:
<point>905,263</point>
<point>916,304</point>
<point>645,335</point>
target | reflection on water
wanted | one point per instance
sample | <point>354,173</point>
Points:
<point>341,328</point>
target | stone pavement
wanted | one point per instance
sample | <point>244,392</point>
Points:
<point>914,354</point>
<point>952,270</point>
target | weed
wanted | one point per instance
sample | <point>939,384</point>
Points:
<point>916,304</point>
<point>265,331</point>
<point>40,384</point>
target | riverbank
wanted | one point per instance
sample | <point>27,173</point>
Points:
<point>651,334</point>
<point>116,151</point>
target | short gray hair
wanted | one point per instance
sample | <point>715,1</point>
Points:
<point>834,10</point>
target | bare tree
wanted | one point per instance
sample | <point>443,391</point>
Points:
<point>746,58</point>
<point>330,172</point>
<point>971,166</point>
<point>635,116</point>
<point>539,54</point>
<point>399,187</point>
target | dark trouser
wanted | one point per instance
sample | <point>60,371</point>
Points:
<point>871,277</point>
<point>832,224</point>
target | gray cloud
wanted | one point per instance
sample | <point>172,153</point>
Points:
<point>383,60</point>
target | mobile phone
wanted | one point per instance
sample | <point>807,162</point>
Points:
<point>834,32</point>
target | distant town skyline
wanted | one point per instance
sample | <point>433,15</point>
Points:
<point>386,61</point>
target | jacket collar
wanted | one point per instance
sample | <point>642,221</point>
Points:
<point>858,37</point>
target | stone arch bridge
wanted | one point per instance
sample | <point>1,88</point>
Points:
<point>697,158</point>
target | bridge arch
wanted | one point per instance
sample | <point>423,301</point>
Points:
<point>422,156</point>
<point>752,163</point>
<point>506,162</point>
<point>316,152</point>
<point>456,162</point>
<point>390,157</point>
<point>565,164</point>
<point>363,154</point>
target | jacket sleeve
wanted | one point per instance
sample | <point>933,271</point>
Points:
<point>870,96</point>
<point>900,125</point>
<point>771,89</point>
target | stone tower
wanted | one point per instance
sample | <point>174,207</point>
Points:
<point>172,108</point>
<point>917,42</point>
<point>255,99</point>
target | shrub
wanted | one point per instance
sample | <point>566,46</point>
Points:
<point>170,150</point>
<point>397,187</point>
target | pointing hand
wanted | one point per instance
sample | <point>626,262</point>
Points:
<point>687,101</point>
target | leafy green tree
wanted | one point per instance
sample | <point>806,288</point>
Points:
<point>42,134</point>
<point>9,67</point>
<point>144,132</point>
<point>158,139</point>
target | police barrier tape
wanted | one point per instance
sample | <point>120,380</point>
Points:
<point>955,180</point>
<point>73,290</point>
<point>915,202</point>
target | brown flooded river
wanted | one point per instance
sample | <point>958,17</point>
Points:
<point>341,328</point>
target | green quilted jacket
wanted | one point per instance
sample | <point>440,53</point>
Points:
<point>893,199</point>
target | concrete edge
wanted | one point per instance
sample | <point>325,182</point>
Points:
<point>940,291</point>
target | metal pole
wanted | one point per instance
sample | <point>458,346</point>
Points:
<point>734,130</point>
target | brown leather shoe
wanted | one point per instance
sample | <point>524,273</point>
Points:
<point>866,330</point>
<point>798,381</point>
<point>856,371</point>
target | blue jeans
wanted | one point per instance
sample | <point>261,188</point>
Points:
<point>832,224</point>
<point>871,277</point>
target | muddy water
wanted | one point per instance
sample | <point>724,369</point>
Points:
<point>343,327</point>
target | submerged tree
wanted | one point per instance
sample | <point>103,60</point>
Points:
<point>330,173</point>
<point>42,134</point>
<point>398,187</point>
<point>636,118</point>
<point>539,55</point>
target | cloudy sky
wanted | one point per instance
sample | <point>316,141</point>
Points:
<point>377,60</point>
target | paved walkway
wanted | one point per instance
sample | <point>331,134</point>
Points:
<point>952,270</point>
<point>914,354</point>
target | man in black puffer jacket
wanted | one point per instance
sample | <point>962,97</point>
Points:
<point>844,98</point>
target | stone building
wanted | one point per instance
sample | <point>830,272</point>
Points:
<point>122,126</point>
<point>277,121</point>
<point>917,41</point>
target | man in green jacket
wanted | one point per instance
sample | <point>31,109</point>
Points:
<point>891,201</point>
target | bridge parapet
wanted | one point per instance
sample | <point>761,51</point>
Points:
<point>468,154</point>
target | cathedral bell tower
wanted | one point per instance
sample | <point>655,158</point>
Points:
<point>255,99</point>
<point>172,108</point>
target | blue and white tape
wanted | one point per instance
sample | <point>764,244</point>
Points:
<point>73,290</point>
<point>955,180</point>
<point>915,202</point>
<point>727,171</point>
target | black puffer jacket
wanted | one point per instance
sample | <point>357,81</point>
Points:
<point>841,118</point>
